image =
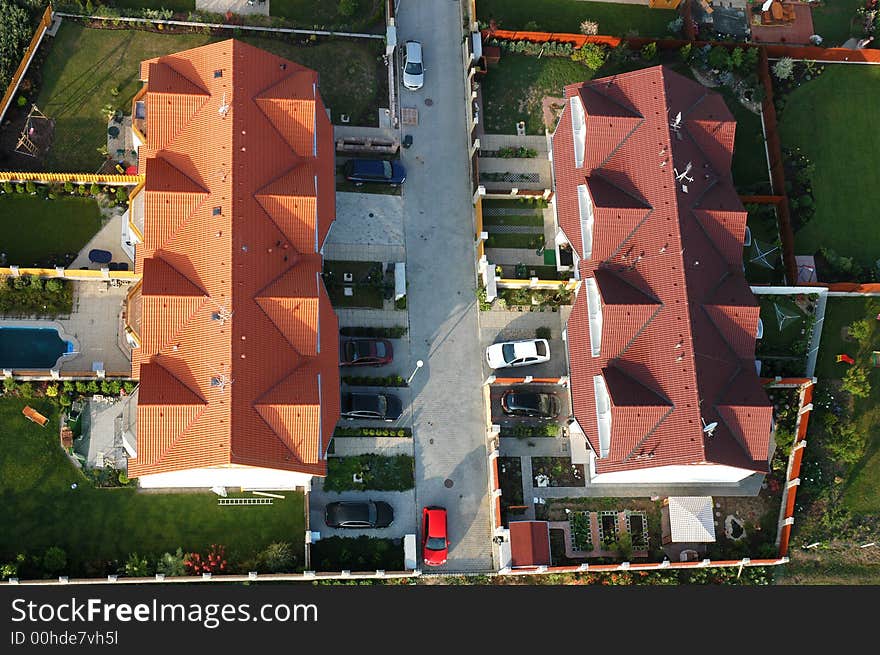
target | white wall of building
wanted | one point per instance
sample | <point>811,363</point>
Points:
<point>246,477</point>
<point>696,473</point>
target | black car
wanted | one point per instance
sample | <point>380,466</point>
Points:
<point>375,170</point>
<point>369,514</point>
<point>530,403</point>
<point>380,406</point>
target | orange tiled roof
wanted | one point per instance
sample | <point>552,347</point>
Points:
<point>239,356</point>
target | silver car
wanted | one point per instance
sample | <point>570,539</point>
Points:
<point>413,71</point>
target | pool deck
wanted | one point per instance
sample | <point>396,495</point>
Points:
<point>95,323</point>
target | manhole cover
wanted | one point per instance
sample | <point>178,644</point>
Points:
<point>371,214</point>
<point>431,441</point>
<point>428,102</point>
<point>448,483</point>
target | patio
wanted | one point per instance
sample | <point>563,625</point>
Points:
<point>796,32</point>
<point>101,439</point>
<point>94,322</point>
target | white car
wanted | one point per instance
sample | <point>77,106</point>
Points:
<point>413,72</point>
<point>518,353</point>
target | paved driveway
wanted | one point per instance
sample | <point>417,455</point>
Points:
<point>447,409</point>
<point>403,503</point>
<point>500,418</point>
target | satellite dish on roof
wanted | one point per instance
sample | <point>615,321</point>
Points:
<point>709,428</point>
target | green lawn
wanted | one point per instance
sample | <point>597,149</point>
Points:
<point>749,157</point>
<point>535,220</point>
<point>765,234</point>
<point>325,14</point>
<point>35,229</point>
<point>515,240</point>
<point>833,21</point>
<point>832,119</point>
<point>38,508</point>
<point>566,16</point>
<point>863,484</point>
<point>514,87</point>
<point>352,78</point>
<point>84,66</point>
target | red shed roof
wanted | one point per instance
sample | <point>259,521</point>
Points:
<point>659,228</point>
<point>239,357</point>
<point>530,543</point>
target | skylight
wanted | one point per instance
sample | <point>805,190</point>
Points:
<point>594,311</point>
<point>603,414</point>
<point>578,129</point>
<point>585,205</point>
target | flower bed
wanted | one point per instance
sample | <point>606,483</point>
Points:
<point>581,531</point>
<point>372,432</point>
<point>395,473</point>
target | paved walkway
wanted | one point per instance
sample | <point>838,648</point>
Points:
<point>235,6</point>
<point>448,415</point>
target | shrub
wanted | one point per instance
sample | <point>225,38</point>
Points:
<point>649,51</point>
<point>784,68</point>
<point>719,58</point>
<point>94,189</point>
<point>52,391</point>
<point>686,51</point>
<point>589,27</point>
<point>136,566</point>
<point>171,564</point>
<point>7,187</point>
<point>19,188</point>
<point>675,25</point>
<point>30,187</point>
<point>750,60</point>
<point>22,101</point>
<point>591,55</point>
<point>277,557</point>
<point>542,332</point>
<point>54,560</point>
<point>121,194</point>
<point>214,561</point>
<point>123,478</point>
<point>68,187</point>
<point>348,8</point>
<point>737,57</point>
<point>53,285</point>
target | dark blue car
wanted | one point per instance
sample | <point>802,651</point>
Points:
<point>375,170</point>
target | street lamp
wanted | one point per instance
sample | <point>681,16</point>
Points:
<point>419,365</point>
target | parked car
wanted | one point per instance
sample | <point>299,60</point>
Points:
<point>518,353</point>
<point>375,170</point>
<point>365,352</point>
<point>350,514</point>
<point>435,542</point>
<point>530,403</point>
<point>413,70</point>
<point>381,406</point>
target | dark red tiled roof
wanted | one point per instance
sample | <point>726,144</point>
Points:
<point>679,320</point>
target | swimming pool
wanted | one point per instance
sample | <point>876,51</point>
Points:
<point>32,348</point>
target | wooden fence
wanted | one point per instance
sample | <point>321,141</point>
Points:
<point>25,61</point>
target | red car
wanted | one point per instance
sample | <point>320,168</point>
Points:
<point>435,543</point>
<point>365,352</point>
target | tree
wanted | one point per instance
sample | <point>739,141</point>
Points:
<point>784,68</point>
<point>591,55</point>
<point>277,557</point>
<point>54,560</point>
<point>15,34</point>
<point>856,382</point>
